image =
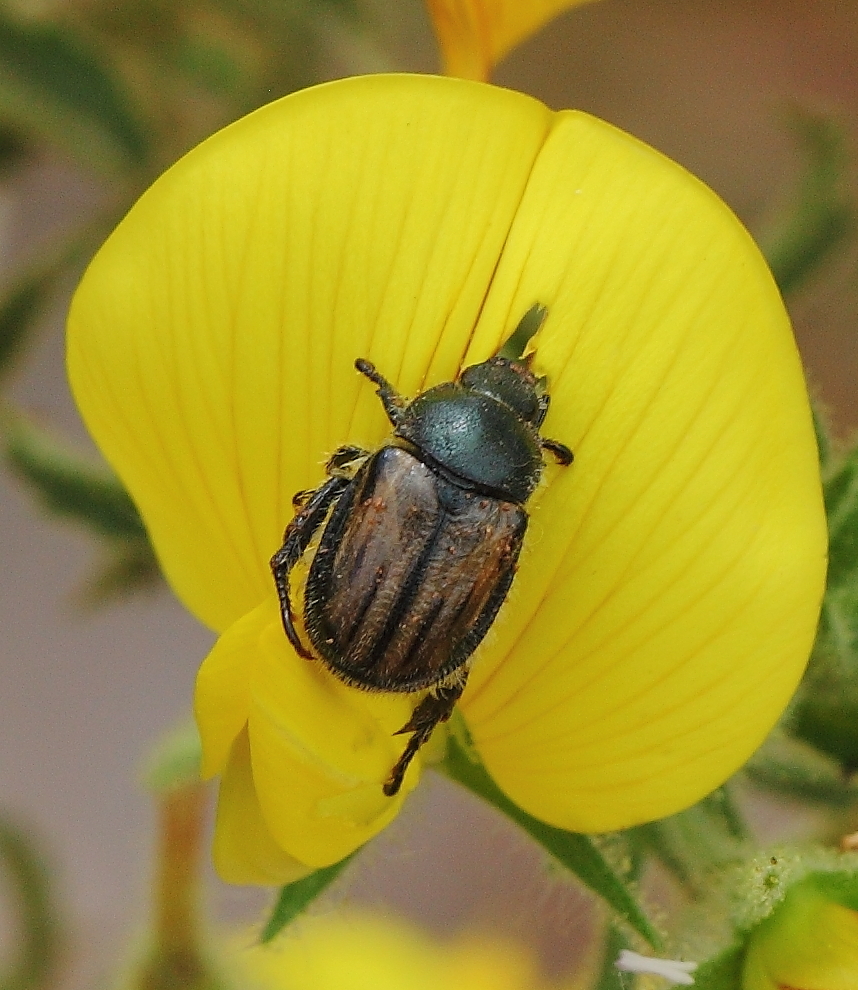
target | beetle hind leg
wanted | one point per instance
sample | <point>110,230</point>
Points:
<point>432,710</point>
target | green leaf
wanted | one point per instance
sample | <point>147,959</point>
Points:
<point>294,897</point>
<point>131,566</point>
<point>790,767</point>
<point>39,942</point>
<point>26,298</point>
<point>696,841</point>
<point>820,216</point>
<point>23,304</point>
<point>841,506</point>
<point>823,434</point>
<point>610,977</point>
<point>578,853</point>
<point>721,972</point>
<point>56,86</point>
<point>70,485</point>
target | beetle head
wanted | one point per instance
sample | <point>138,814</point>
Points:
<point>511,383</point>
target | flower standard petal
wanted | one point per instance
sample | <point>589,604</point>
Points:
<point>670,579</point>
<point>666,603</point>
<point>474,35</point>
<point>212,340</point>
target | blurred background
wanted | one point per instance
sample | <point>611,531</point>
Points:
<point>84,692</point>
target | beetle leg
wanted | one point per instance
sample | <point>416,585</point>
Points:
<point>394,404</point>
<point>346,461</point>
<point>302,498</point>
<point>434,708</point>
<point>298,536</point>
<point>563,454</point>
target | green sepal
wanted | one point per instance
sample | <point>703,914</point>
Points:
<point>820,216</point>
<point>745,896</point>
<point>57,87</point>
<point>580,854</point>
<point>69,484</point>
<point>294,897</point>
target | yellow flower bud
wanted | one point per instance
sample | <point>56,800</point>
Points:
<point>475,35</point>
<point>810,942</point>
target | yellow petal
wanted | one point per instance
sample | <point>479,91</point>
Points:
<point>302,754</point>
<point>244,850</point>
<point>222,699</point>
<point>321,752</point>
<point>668,594</point>
<point>809,943</point>
<point>671,577</point>
<point>474,35</point>
<point>212,340</point>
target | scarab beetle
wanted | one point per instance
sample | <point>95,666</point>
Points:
<point>420,538</point>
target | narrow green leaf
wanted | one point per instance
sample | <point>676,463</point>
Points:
<point>610,977</point>
<point>294,897</point>
<point>722,972</point>
<point>131,566</point>
<point>70,485</point>
<point>56,86</point>
<point>823,434</point>
<point>26,298</point>
<point>841,506</point>
<point>790,767</point>
<point>578,853</point>
<point>697,841</point>
<point>19,311</point>
<point>820,216</point>
<point>37,948</point>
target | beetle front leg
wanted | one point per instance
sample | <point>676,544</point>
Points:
<point>561,452</point>
<point>394,404</point>
<point>298,536</point>
<point>432,710</point>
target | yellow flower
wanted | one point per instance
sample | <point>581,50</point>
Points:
<point>669,584</point>
<point>474,35</point>
<point>810,942</point>
<point>361,951</point>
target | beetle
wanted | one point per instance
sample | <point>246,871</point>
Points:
<point>420,538</point>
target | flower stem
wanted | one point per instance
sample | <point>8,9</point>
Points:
<point>176,960</point>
